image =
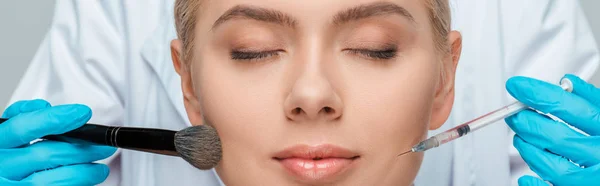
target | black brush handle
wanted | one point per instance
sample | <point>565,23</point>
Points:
<point>158,141</point>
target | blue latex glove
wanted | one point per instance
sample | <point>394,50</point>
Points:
<point>47,162</point>
<point>547,145</point>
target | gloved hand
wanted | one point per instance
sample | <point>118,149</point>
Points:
<point>47,162</point>
<point>550,148</point>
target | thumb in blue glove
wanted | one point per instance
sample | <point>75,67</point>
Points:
<point>557,153</point>
<point>47,162</point>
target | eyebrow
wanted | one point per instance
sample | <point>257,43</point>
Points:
<point>256,13</point>
<point>370,10</point>
<point>278,17</point>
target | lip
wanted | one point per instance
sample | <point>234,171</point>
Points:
<point>315,164</point>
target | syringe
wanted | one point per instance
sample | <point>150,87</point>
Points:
<point>476,124</point>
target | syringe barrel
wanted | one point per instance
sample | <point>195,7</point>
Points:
<point>496,115</point>
<point>441,138</point>
<point>449,135</point>
<point>478,123</point>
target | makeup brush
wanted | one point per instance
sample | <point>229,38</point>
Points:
<point>198,145</point>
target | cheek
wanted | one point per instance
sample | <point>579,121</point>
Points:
<point>241,105</point>
<point>400,97</point>
<point>393,107</point>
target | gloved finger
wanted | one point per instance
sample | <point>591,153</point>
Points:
<point>548,166</point>
<point>552,99</point>
<point>20,162</point>
<point>24,106</point>
<point>29,126</point>
<point>574,176</point>
<point>585,90</point>
<point>81,174</point>
<point>4,181</point>
<point>547,134</point>
<point>587,176</point>
<point>532,181</point>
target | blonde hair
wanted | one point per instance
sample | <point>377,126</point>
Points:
<point>185,23</point>
<point>439,16</point>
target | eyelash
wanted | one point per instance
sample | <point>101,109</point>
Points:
<point>253,56</point>
<point>384,54</point>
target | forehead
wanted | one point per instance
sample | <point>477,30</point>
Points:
<point>306,11</point>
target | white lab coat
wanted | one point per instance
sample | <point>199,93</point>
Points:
<point>114,56</point>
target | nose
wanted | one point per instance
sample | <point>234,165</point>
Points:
<point>313,98</point>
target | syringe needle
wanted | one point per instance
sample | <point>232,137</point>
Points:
<point>404,153</point>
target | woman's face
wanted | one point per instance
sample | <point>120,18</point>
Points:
<point>316,92</point>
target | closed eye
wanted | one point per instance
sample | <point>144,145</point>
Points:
<point>252,55</point>
<point>384,54</point>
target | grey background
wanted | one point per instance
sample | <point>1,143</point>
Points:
<point>25,22</point>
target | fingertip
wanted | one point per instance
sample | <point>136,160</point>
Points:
<point>35,105</point>
<point>510,120</point>
<point>104,170</point>
<point>572,81</point>
<point>512,82</point>
<point>581,87</point>
<point>518,85</point>
<point>87,110</point>
<point>24,106</point>
<point>517,140</point>
<point>64,118</point>
<point>524,181</point>
<point>77,112</point>
<point>105,151</point>
<point>83,109</point>
<point>573,78</point>
<point>520,122</point>
<point>531,181</point>
<point>96,173</point>
<point>522,146</point>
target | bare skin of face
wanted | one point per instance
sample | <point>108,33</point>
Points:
<point>317,92</point>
